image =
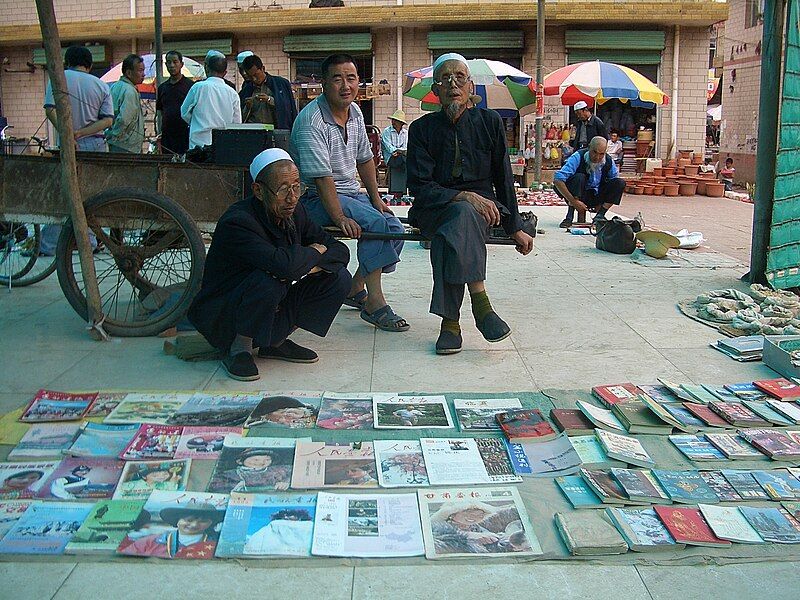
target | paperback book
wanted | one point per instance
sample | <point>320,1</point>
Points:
<point>624,448</point>
<point>204,443</point>
<point>771,524</point>
<point>104,404</point>
<point>578,492</point>
<point>779,484</point>
<point>779,388</point>
<point>745,484</point>
<point>367,525</point>
<point>707,416</point>
<point>763,409</point>
<point>261,525</point>
<point>459,461</point>
<point>205,409</point>
<point>789,410</point>
<point>295,411</point>
<point>605,486</point>
<point>686,487</point>
<point>451,516</point>
<point>699,394</point>
<point>82,478</point>
<point>479,415</point>
<point>737,414</point>
<point>591,452</point>
<point>640,486</point>
<point>102,441</point>
<point>746,391</point>
<point>659,393</point>
<point>329,465</point>
<point>106,526</point>
<point>720,486</point>
<point>587,534</point>
<point>728,523</point>
<point>663,415</point>
<point>153,442</point>
<point>45,440</point>
<point>10,513</point>
<point>45,528</point>
<point>775,444</point>
<point>722,393</point>
<point>637,417</point>
<point>139,479</point>
<point>734,447</point>
<point>177,525</point>
<point>676,390</point>
<point>147,408</point>
<point>602,418</point>
<point>696,447</point>
<point>544,459</point>
<point>687,526</point>
<point>571,421</point>
<point>687,422</point>
<point>254,465</point>
<point>48,406</point>
<point>642,530</point>
<point>20,480</point>
<point>609,395</point>
<point>345,411</point>
<point>400,463</point>
<point>411,412</point>
<point>744,346</point>
<point>525,425</point>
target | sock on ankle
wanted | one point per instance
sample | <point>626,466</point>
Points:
<point>241,344</point>
<point>452,326</point>
<point>480,305</point>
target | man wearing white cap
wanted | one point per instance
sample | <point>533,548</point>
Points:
<point>247,86</point>
<point>461,180</point>
<point>589,126</point>
<point>212,103</point>
<point>270,269</point>
<point>394,143</point>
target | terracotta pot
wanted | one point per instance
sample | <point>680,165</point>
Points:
<point>658,190</point>
<point>638,189</point>
<point>671,189</point>
<point>657,171</point>
<point>685,154</point>
<point>666,171</point>
<point>715,189</point>
<point>690,169</point>
<point>697,159</point>
<point>688,188</point>
<point>672,163</point>
<point>647,190</point>
<point>701,185</point>
<point>682,162</point>
<point>711,175</point>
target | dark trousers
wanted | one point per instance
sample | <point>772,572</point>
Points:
<point>609,192</point>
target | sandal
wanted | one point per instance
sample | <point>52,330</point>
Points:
<point>386,319</point>
<point>357,300</point>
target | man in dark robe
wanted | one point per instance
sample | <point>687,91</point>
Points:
<point>461,180</point>
<point>269,270</point>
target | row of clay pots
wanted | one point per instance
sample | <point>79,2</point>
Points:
<point>675,185</point>
<point>681,170</point>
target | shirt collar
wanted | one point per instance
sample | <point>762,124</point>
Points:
<point>327,115</point>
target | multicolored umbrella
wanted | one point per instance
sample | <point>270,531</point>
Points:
<point>191,69</point>
<point>601,81</point>
<point>500,87</point>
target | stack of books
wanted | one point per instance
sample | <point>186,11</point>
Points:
<point>745,348</point>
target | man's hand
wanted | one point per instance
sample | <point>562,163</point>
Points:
<point>319,248</point>
<point>524,242</point>
<point>485,207</point>
<point>349,227</point>
<point>314,270</point>
<point>578,205</point>
<point>381,206</point>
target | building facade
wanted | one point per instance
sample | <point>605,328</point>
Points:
<point>389,38</point>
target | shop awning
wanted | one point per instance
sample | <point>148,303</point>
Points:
<point>476,40</point>
<point>98,55</point>
<point>617,46</point>
<point>353,43</point>
<point>199,48</point>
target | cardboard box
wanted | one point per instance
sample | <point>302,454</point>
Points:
<point>777,349</point>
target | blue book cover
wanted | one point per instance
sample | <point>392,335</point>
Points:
<point>771,524</point>
<point>101,440</point>
<point>696,447</point>
<point>258,525</point>
<point>579,494</point>
<point>684,416</point>
<point>746,391</point>
<point>45,528</point>
<point>686,487</point>
<point>779,484</point>
<point>519,460</point>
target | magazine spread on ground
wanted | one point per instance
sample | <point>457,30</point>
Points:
<point>345,411</point>
<point>45,440</point>
<point>215,410</point>
<point>45,528</point>
<point>260,525</point>
<point>204,443</point>
<point>253,465</point>
<point>139,478</point>
<point>19,480</point>
<point>48,405</point>
<point>296,410</point>
<point>148,408</point>
<point>552,458</point>
<point>177,525</point>
<point>400,463</point>
<point>104,404</point>
<point>82,478</point>
<point>153,441</point>
<point>411,412</point>
<point>10,512</point>
<point>367,525</point>
<point>329,465</point>
<point>106,527</point>
<point>101,440</point>
<point>464,522</point>
<point>459,461</point>
<point>479,415</point>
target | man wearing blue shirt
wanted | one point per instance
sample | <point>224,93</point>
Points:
<point>589,180</point>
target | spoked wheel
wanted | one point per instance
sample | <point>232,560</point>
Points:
<point>21,262</point>
<point>149,261</point>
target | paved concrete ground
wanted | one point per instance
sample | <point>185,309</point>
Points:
<point>580,318</point>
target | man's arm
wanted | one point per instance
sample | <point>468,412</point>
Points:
<point>386,144</point>
<point>560,181</point>
<point>93,128</point>
<point>503,180</point>
<point>187,107</point>
<point>237,108</point>
<point>326,189</point>
<point>369,177</point>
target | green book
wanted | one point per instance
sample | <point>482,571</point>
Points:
<point>699,393</point>
<point>105,527</point>
<point>638,418</point>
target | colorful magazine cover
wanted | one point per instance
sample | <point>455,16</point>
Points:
<point>20,480</point>
<point>552,458</point>
<point>411,412</point>
<point>181,525</point>
<point>295,410</point>
<point>45,439</point>
<point>479,415</point>
<point>259,525</point>
<point>459,461</point>
<point>345,411</point>
<point>400,463</point>
<point>215,410</point>
<point>152,442</point>
<point>101,440</point>
<point>204,443</point>
<point>48,406</point>
<point>140,478</point>
<point>326,465</point>
<point>106,527</point>
<point>147,408</point>
<point>253,465</point>
<point>10,513</point>
<point>367,525</point>
<point>82,478</point>
<point>45,528</point>
<point>452,517</point>
<point>104,404</point>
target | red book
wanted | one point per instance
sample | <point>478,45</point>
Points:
<point>779,388</point>
<point>525,425</point>
<point>48,406</point>
<point>610,395</point>
<point>705,414</point>
<point>737,414</point>
<point>571,421</point>
<point>687,526</point>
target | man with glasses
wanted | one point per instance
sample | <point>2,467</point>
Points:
<point>460,176</point>
<point>270,270</point>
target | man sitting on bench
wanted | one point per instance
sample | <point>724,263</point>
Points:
<point>589,180</point>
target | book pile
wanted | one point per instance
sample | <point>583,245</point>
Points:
<point>745,348</point>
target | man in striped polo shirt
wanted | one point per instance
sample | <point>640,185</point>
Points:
<point>329,144</point>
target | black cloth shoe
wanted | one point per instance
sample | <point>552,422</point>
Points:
<point>448,343</point>
<point>290,352</point>
<point>565,223</point>
<point>241,366</point>
<point>493,328</point>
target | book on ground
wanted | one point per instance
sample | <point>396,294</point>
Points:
<point>642,529</point>
<point>771,524</point>
<point>661,412</point>
<point>553,458</point>
<point>48,406</point>
<point>602,418</point>
<point>728,523</point>
<point>153,441</point>
<point>206,409</point>
<point>45,528</point>
<point>606,487</point>
<point>734,447</point>
<point>106,526</point>
<point>766,412</point>
<point>722,393</point>
<point>204,443</point>
<point>779,484</point>
<point>640,486</point>
<point>82,478</point>
<point>20,480</point>
<point>294,410</point>
<point>737,414</point>
<point>698,393</point>
<point>479,414</point>
<point>458,461</point>
<point>10,513</point>
<point>659,393</point>
<point>400,463</point>
<point>588,534</point>
<point>345,411</point>
<point>147,408</point>
<point>625,448</point>
<point>746,391</point>
<point>637,417</point>
<point>591,452</point>
<point>330,465</point>
<point>688,422</point>
<point>411,412</point>
<point>779,388</point>
<point>254,465</point>
<point>578,492</point>
<point>745,484</point>
<point>525,425</point>
<point>101,440</point>
<point>104,404</point>
<point>708,416</point>
<point>139,478</point>
<point>720,486</point>
<point>744,345</point>
<point>609,395</point>
<point>687,526</point>
<point>789,410</point>
<point>571,421</point>
<point>686,487</point>
<point>776,444</point>
<point>45,440</point>
<point>696,447</point>
<point>677,390</point>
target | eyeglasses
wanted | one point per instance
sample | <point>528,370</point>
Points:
<point>459,79</point>
<point>282,193</point>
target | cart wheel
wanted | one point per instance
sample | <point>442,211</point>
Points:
<point>149,261</point>
<point>20,261</point>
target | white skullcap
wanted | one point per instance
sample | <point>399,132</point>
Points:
<point>211,53</point>
<point>449,56</point>
<point>242,55</point>
<point>267,157</point>
<point>579,105</point>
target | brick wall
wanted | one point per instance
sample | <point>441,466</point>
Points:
<point>415,55</point>
<point>22,94</point>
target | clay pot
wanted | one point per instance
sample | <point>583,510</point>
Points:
<point>697,159</point>
<point>685,154</point>
<point>715,189</point>
<point>682,162</point>
<point>711,175</point>
<point>690,169</point>
<point>647,190</point>
<point>666,171</point>
<point>671,189</point>
<point>638,189</point>
<point>657,172</point>
<point>658,190</point>
<point>701,185</point>
<point>688,188</point>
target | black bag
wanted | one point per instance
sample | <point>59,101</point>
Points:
<point>616,235</point>
<point>325,3</point>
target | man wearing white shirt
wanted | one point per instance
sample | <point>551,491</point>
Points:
<point>614,148</point>
<point>394,142</point>
<point>210,104</point>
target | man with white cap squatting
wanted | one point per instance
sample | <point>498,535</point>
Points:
<point>330,144</point>
<point>461,180</point>
<point>394,143</point>
<point>270,269</point>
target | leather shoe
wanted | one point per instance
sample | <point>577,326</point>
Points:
<point>493,328</point>
<point>241,366</point>
<point>290,352</point>
<point>448,343</point>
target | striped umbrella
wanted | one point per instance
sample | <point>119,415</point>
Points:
<point>191,69</point>
<point>600,81</point>
<point>500,87</point>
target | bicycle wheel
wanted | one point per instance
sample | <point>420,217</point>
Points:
<point>19,254</point>
<point>150,264</point>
